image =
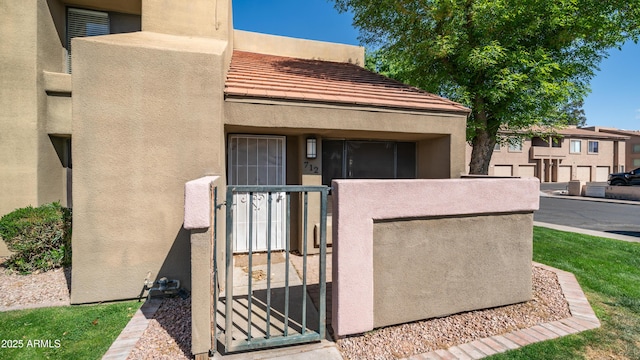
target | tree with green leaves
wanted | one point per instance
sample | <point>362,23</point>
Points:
<point>575,113</point>
<point>515,63</point>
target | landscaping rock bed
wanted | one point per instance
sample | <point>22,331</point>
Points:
<point>405,340</point>
<point>168,335</point>
<point>49,288</point>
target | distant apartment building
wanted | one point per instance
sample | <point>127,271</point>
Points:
<point>632,154</point>
<point>574,154</point>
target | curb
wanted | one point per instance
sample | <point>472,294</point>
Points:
<point>601,234</point>
<point>585,198</point>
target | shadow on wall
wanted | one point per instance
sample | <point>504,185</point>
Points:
<point>67,277</point>
<point>174,314</point>
<point>177,264</point>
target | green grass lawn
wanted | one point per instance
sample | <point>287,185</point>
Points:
<point>69,332</point>
<point>609,273</point>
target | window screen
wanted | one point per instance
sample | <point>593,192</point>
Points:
<point>406,155</point>
<point>370,160</point>
<point>593,147</point>
<point>356,159</point>
<point>81,23</point>
<point>332,155</point>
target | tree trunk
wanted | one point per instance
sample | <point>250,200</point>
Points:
<point>483,144</point>
<point>484,140</point>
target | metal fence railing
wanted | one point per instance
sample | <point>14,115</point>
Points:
<point>265,303</point>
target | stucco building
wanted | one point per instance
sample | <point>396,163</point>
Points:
<point>632,145</point>
<point>574,154</point>
<point>140,96</point>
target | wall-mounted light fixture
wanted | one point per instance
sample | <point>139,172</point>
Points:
<point>312,148</point>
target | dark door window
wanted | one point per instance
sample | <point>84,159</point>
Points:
<point>356,159</point>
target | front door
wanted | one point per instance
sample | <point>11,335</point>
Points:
<point>257,160</point>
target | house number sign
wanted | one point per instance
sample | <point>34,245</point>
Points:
<point>310,168</point>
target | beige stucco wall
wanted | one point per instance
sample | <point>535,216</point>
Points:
<point>30,170</point>
<point>434,157</point>
<point>446,131</point>
<point>297,48</point>
<point>460,264</point>
<point>51,173</point>
<point>147,117</point>
<point>18,101</point>
<point>201,18</point>
<point>57,109</point>
<point>313,215</point>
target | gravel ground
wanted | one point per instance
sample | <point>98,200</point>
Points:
<point>26,291</point>
<point>169,333</point>
<point>405,340</point>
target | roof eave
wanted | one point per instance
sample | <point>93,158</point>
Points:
<point>463,111</point>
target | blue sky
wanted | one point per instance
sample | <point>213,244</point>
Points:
<point>615,91</point>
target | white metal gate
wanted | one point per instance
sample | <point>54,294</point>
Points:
<point>257,160</point>
<point>274,310</point>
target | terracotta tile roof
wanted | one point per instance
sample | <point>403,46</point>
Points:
<point>255,75</point>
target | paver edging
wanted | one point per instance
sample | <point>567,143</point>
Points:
<point>582,319</point>
<point>126,341</point>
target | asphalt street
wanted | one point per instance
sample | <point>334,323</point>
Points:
<point>623,219</point>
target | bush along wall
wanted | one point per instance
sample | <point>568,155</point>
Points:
<point>40,238</point>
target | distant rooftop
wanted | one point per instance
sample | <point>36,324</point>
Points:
<point>263,76</point>
<point>616,131</point>
<point>590,133</point>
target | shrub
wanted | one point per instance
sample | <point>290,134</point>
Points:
<point>40,238</point>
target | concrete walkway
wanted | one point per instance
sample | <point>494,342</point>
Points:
<point>586,198</point>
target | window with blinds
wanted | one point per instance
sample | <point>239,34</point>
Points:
<point>81,23</point>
